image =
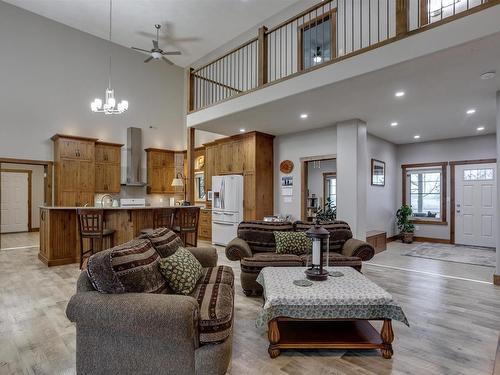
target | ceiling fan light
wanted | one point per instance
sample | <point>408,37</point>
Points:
<point>156,55</point>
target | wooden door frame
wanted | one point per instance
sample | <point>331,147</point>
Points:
<point>325,175</point>
<point>304,169</point>
<point>452,188</point>
<point>29,173</point>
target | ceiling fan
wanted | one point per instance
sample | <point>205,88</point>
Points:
<point>156,52</point>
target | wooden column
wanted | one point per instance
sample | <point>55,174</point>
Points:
<point>262,68</point>
<point>424,13</point>
<point>190,167</point>
<point>401,17</point>
<point>190,89</point>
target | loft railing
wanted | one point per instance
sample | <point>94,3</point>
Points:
<point>321,35</point>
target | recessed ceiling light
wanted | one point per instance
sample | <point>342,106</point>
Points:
<point>394,124</point>
<point>480,128</point>
<point>416,136</point>
<point>488,75</point>
<point>399,94</point>
<point>304,115</point>
<point>242,130</point>
<point>471,111</point>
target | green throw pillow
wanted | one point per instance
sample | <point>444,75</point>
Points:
<point>182,271</point>
<point>296,243</point>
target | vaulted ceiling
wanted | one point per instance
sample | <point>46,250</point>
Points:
<point>195,27</point>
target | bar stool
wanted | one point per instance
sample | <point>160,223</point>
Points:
<point>162,218</point>
<point>186,221</point>
<point>91,226</point>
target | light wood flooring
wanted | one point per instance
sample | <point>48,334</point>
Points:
<point>454,323</point>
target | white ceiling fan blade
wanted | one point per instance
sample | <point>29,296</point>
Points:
<point>141,50</point>
<point>172,53</point>
<point>148,59</point>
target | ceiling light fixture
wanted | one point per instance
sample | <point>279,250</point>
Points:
<point>394,124</point>
<point>480,128</point>
<point>109,107</point>
<point>416,136</point>
<point>471,111</point>
<point>488,75</point>
<point>242,130</point>
<point>399,94</point>
<point>304,115</point>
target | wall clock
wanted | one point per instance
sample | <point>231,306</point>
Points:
<point>286,166</point>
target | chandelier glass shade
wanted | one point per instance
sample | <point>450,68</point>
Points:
<point>109,107</point>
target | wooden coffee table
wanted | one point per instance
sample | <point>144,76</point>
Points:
<point>331,314</point>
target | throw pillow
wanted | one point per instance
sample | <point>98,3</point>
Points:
<point>182,271</point>
<point>296,243</point>
<point>164,240</point>
<point>128,268</point>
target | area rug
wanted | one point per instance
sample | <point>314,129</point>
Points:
<point>480,256</point>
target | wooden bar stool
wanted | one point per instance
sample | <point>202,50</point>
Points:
<point>91,226</point>
<point>162,218</point>
<point>186,221</point>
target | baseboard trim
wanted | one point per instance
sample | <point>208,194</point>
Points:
<point>496,279</point>
<point>432,240</point>
<point>34,230</point>
<point>393,238</point>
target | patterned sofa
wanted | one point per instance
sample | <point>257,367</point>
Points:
<point>158,332</point>
<point>255,248</point>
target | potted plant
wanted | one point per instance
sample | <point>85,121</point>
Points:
<point>328,212</point>
<point>405,227</point>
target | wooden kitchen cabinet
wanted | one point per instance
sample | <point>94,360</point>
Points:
<point>107,167</point>
<point>250,155</point>
<point>74,170</point>
<point>161,171</point>
<point>205,225</point>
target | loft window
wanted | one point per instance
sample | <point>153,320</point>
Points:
<point>317,40</point>
<point>330,184</point>
<point>424,189</point>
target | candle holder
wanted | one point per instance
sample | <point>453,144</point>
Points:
<point>319,236</point>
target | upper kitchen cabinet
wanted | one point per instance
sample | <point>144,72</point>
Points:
<point>160,170</point>
<point>250,155</point>
<point>107,167</point>
<point>74,170</point>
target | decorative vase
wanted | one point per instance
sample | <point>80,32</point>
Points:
<point>407,237</point>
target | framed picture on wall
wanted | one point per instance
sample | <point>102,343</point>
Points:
<point>378,173</point>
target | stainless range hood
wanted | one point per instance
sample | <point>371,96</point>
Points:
<point>134,157</point>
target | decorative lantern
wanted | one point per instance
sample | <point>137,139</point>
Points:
<point>319,237</point>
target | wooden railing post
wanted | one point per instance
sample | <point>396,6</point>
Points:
<point>189,193</point>
<point>190,89</point>
<point>262,63</point>
<point>401,17</point>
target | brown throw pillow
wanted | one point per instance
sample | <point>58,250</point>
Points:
<point>128,268</point>
<point>164,240</point>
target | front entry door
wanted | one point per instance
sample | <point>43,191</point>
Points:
<point>475,204</point>
<point>14,205</point>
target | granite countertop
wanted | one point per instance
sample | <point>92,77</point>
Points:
<point>111,208</point>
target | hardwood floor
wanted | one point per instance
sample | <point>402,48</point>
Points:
<point>454,324</point>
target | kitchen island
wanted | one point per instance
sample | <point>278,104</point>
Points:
<point>59,235</point>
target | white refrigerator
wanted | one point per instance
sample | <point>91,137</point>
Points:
<point>227,207</point>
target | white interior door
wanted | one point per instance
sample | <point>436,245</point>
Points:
<point>475,204</point>
<point>14,205</point>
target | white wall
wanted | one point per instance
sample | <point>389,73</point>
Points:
<point>315,177</point>
<point>470,148</point>
<point>381,202</point>
<point>293,147</point>
<point>37,189</point>
<point>50,73</point>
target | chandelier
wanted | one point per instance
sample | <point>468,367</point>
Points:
<point>109,107</point>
